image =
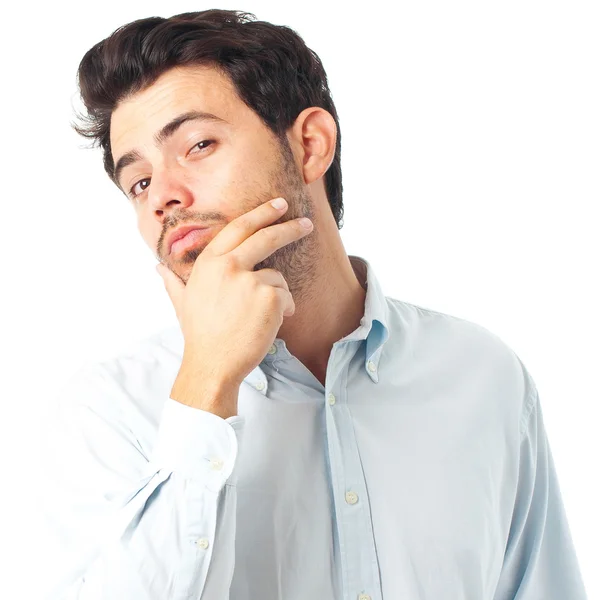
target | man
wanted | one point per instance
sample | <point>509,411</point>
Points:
<point>299,434</point>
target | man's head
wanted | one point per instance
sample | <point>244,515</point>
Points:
<point>269,127</point>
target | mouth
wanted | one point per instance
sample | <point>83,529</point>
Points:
<point>190,239</point>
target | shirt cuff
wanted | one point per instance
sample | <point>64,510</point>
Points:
<point>198,444</point>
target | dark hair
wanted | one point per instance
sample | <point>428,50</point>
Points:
<point>272,69</point>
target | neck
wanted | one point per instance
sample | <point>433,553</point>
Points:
<point>329,311</point>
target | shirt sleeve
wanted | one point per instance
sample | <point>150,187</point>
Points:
<point>540,562</point>
<point>121,524</point>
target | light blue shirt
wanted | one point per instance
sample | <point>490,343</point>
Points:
<point>421,471</point>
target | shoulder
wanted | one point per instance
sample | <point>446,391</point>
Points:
<point>465,353</point>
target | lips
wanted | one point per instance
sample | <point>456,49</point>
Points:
<point>181,233</point>
<point>189,241</point>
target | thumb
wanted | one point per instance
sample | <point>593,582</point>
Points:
<point>174,287</point>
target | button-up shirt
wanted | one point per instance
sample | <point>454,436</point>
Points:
<point>420,470</point>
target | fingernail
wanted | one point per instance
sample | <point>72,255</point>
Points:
<point>306,223</point>
<point>279,203</point>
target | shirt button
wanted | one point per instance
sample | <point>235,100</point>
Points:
<point>351,498</point>
<point>371,366</point>
<point>202,543</point>
<point>364,597</point>
<point>331,399</point>
<point>273,349</point>
<point>216,464</point>
<point>260,385</point>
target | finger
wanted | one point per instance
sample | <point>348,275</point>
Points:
<point>241,228</point>
<point>264,242</point>
<point>286,302</point>
<point>271,277</point>
<point>274,279</point>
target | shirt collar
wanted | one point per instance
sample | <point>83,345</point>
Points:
<point>373,327</point>
<point>375,322</point>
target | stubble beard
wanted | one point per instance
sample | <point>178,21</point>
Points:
<point>295,261</point>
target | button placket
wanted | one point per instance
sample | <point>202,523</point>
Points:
<point>351,497</point>
<point>202,543</point>
<point>216,464</point>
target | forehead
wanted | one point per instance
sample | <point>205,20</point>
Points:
<point>178,90</point>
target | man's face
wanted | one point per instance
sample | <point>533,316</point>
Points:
<point>207,172</point>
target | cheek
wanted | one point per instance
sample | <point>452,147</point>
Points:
<point>234,187</point>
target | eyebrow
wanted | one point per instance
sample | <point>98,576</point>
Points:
<point>161,136</point>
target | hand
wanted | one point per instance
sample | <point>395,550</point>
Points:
<point>230,314</point>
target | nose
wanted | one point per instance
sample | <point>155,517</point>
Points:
<point>168,191</point>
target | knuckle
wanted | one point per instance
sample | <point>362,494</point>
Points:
<point>240,225</point>
<point>251,279</point>
<point>230,263</point>
<point>268,235</point>
<point>270,295</point>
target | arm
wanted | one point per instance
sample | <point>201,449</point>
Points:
<point>120,524</point>
<point>540,561</point>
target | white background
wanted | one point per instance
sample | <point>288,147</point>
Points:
<point>470,154</point>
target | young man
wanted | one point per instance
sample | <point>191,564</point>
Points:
<point>299,434</point>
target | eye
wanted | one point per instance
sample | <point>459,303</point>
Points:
<point>134,195</point>
<point>202,142</point>
<point>132,188</point>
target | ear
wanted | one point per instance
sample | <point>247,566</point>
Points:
<point>312,138</point>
